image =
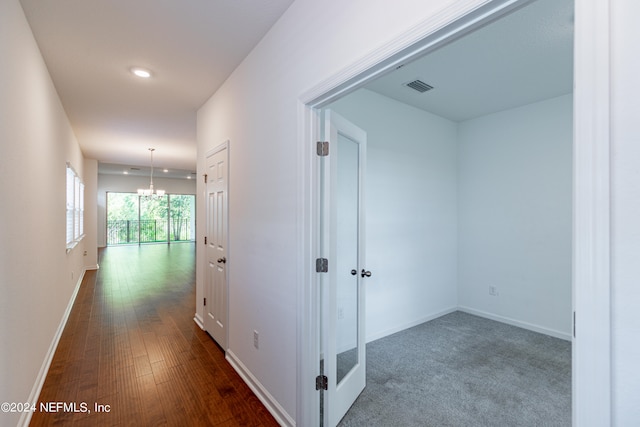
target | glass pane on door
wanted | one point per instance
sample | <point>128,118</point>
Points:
<point>182,217</point>
<point>347,275</point>
<point>153,219</point>
<point>122,218</point>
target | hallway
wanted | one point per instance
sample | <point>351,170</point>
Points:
<point>131,345</point>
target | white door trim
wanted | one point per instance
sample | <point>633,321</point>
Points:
<point>591,250</point>
<point>591,374</point>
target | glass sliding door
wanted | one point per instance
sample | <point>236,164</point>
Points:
<point>134,219</point>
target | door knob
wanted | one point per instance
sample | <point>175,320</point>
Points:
<point>354,272</point>
<point>364,273</point>
<point>222,260</point>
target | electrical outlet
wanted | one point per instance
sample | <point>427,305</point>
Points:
<point>493,291</point>
<point>340,313</point>
<point>256,342</point>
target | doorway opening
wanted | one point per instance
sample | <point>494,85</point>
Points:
<point>386,185</point>
<point>135,219</point>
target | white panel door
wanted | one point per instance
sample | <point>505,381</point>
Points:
<point>215,321</point>
<point>343,343</point>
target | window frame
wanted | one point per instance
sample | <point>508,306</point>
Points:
<point>74,208</point>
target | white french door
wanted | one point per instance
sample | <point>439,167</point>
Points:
<point>215,319</point>
<point>343,238</point>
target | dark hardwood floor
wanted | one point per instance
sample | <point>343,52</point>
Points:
<point>131,343</point>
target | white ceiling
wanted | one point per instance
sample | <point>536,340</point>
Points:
<point>524,57</point>
<point>191,47</point>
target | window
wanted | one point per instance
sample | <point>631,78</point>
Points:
<point>75,208</point>
<point>134,219</point>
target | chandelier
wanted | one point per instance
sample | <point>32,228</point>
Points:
<point>150,191</point>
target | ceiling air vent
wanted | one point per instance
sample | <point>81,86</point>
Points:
<point>419,85</point>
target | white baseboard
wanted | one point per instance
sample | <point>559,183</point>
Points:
<point>199,321</point>
<point>267,400</point>
<point>417,322</point>
<point>44,369</point>
<point>518,323</point>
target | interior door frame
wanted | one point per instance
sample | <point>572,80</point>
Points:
<point>591,282</point>
<point>207,291</point>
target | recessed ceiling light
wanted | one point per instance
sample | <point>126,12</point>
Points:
<point>165,170</point>
<point>141,72</point>
<point>125,172</point>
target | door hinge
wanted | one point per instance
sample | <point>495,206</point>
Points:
<point>323,148</point>
<point>322,382</point>
<point>205,301</point>
<point>204,175</point>
<point>205,240</point>
<point>322,265</point>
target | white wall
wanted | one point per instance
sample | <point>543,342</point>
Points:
<point>256,109</point>
<point>515,198</point>
<point>130,184</point>
<point>37,276</point>
<point>411,211</point>
<point>499,184</point>
<point>625,215</point>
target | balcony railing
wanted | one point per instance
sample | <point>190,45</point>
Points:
<point>123,232</point>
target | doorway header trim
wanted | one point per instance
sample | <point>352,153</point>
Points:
<point>448,25</point>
